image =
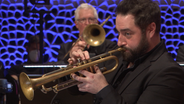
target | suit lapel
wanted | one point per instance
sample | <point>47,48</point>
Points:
<point>158,51</point>
<point>133,75</point>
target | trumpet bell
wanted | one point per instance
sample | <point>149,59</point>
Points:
<point>94,34</point>
<point>26,86</point>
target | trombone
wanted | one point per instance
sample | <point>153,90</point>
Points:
<point>93,34</point>
<point>29,85</point>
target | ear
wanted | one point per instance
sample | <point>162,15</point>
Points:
<point>76,24</point>
<point>151,29</point>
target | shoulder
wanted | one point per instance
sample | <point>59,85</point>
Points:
<point>66,44</point>
<point>181,48</point>
<point>109,44</point>
<point>165,63</point>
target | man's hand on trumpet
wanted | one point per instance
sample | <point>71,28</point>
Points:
<point>91,82</point>
<point>77,52</point>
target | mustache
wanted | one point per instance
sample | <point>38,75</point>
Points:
<point>125,48</point>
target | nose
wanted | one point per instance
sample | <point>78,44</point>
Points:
<point>87,21</point>
<point>121,40</point>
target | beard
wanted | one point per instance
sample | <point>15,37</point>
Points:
<point>132,54</point>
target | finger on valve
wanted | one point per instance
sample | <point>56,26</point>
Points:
<point>70,61</point>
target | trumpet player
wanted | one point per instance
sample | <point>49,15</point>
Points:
<point>148,73</point>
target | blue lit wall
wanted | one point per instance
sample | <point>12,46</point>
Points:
<point>16,26</point>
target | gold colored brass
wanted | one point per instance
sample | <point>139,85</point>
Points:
<point>93,35</point>
<point>27,89</point>
<point>29,85</point>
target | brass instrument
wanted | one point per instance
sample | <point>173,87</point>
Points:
<point>93,35</point>
<point>29,85</point>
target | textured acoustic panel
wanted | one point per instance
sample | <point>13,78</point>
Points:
<point>16,26</point>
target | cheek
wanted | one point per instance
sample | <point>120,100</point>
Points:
<point>132,44</point>
<point>135,43</point>
<point>81,27</point>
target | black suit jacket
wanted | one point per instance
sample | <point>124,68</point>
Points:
<point>180,54</point>
<point>157,80</point>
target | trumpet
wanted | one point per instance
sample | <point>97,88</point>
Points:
<point>28,85</point>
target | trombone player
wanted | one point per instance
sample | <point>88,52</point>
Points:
<point>85,14</point>
<point>148,74</point>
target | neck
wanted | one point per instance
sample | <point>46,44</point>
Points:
<point>130,64</point>
<point>154,42</point>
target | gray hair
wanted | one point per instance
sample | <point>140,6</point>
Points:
<point>85,6</point>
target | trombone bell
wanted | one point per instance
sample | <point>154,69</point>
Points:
<point>94,34</point>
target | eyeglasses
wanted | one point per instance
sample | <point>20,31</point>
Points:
<point>90,20</point>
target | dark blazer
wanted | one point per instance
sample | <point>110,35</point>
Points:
<point>180,54</point>
<point>157,80</point>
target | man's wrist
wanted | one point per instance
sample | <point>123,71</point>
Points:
<point>104,92</point>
